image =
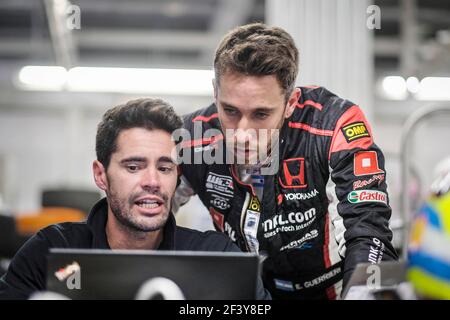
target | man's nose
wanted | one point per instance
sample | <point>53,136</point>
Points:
<point>150,179</point>
<point>243,124</point>
<point>245,133</point>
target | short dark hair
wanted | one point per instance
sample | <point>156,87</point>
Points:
<point>258,50</point>
<point>150,114</point>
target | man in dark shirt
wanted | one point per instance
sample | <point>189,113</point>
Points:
<point>135,169</point>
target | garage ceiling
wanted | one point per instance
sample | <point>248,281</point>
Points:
<point>184,33</point>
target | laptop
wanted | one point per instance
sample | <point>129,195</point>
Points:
<point>120,274</point>
<point>389,273</point>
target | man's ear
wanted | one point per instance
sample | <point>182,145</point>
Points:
<point>292,102</point>
<point>100,175</point>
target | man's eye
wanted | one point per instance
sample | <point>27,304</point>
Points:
<point>261,115</point>
<point>166,169</point>
<point>132,168</point>
<point>231,112</point>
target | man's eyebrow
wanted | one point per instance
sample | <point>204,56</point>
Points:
<point>166,159</point>
<point>133,159</point>
<point>264,109</point>
<point>258,109</point>
<point>225,104</point>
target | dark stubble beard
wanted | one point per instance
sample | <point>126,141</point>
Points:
<point>122,211</point>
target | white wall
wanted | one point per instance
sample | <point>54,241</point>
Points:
<point>335,45</point>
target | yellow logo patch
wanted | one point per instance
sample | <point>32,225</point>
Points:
<point>355,131</point>
<point>254,204</point>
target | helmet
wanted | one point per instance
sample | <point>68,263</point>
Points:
<point>428,267</point>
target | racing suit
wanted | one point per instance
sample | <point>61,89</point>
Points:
<point>322,212</point>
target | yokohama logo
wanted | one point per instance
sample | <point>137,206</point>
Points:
<point>367,196</point>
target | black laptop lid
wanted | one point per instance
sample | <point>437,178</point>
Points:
<point>107,274</point>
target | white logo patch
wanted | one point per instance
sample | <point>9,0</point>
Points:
<point>219,184</point>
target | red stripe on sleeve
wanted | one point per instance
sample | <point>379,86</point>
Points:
<point>306,127</point>
<point>205,119</point>
<point>339,143</point>
<point>310,103</point>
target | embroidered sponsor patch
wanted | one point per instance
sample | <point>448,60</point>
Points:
<point>301,196</point>
<point>367,196</point>
<point>355,131</point>
<point>284,285</point>
<point>219,184</point>
<point>219,202</point>
<point>293,221</point>
<point>378,178</point>
<point>251,223</point>
<point>293,173</point>
<point>295,244</point>
<point>366,163</point>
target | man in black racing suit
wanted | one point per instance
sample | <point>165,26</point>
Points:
<point>324,208</point>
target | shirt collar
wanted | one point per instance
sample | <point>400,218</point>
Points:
<point>97,223</point>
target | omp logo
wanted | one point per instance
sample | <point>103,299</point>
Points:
<point>367,196</point>
<point>220,184</point>
<point>291,218</point>
<point>355,131</point>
